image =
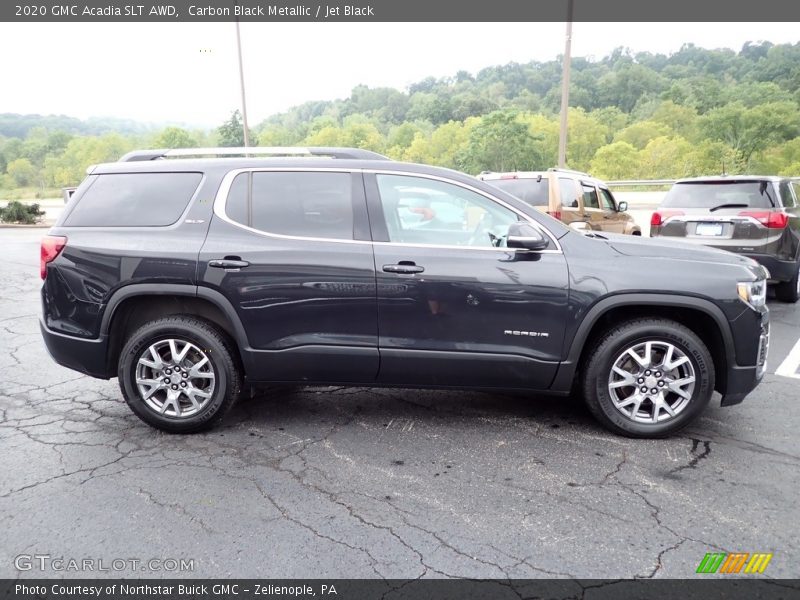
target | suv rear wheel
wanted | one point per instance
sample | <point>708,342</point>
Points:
<point>648,378</point>
<point>179,374</point>
<point>789,291</point>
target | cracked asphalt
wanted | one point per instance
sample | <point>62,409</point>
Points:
<point>376,483</point>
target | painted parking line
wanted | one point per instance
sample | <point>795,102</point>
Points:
<point>790,365</point>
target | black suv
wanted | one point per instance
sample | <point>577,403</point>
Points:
<point>191,278</point>
<point>757,216</point>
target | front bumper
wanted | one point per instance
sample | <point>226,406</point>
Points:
<point>743,380</point>
<point>82,355</point>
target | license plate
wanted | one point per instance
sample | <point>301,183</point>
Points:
<point>709,229</point>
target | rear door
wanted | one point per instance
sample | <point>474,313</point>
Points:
<point>455,306</point>
<point>290,250</point>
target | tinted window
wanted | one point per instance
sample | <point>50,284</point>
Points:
<point>787,198</point>
<point>742,194</point>
<point>134,200</point>
<point>590,196</point>
<point>607,199</point>
<point>566,188</point>
<point>425,211</point>
<point>236,206</point>
<point>796,188</point>
<point>306,204</point>
<point>531,191</point>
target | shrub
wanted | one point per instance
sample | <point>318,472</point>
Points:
<point>17,212</point>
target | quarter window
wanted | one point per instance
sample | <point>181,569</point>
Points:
<point>134,200</point>
<point>302,204</point>
<point>426,211</point>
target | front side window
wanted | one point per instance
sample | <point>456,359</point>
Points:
<point>607,200</point>
<point>590,196</point>
<point>301,204</point>
<point>426,211</point>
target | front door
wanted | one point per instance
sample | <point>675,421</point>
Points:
<point>290,251</point>
<point>455,306</point>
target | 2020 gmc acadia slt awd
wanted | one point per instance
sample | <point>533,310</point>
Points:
<point>189,277</point>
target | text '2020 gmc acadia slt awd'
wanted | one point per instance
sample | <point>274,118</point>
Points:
<point>189,278</point>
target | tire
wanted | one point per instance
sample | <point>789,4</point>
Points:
<point>789,291</point>
<point>614,403</point>
<point>186,395</point>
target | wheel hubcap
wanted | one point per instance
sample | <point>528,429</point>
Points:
<point>651,382</point>
<point>190,366</point>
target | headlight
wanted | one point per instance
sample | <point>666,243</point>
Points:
<point>753,293</point>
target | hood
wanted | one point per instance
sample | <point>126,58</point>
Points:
<point>630,245</point>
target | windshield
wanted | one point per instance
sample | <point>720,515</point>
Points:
<point>711,194</point>
<point>530,191</point>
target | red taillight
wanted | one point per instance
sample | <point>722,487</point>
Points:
<point>657,219</point>
<point>773,220</point>
<point>556,214</point>
<point>52,245</point>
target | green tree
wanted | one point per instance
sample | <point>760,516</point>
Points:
<point>22,172</point>
<point>175,137</point>
<point>616,161</point>
<point>231,132</point>
<point>500,142</point>
<point>640,133</point>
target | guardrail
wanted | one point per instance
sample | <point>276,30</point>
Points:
<point>656,182</point>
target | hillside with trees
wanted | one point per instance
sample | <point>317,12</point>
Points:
<point>632,116</point>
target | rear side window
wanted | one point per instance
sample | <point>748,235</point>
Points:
<point>787,197</point>
<point>569,195</point>
<point>720,194</point>
<point>134,200</point>
<point>534,192</point>
<point>590,196</point>
<point>302,204</point>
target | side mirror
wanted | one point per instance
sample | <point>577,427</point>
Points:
<point>525,237</point>
<point>622,206</point>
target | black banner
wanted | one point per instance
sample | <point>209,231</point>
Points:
<point>731,588</point>
<point>399,11</point>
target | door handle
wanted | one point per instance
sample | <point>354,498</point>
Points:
<point>403,268</point>
<point>228,263</point>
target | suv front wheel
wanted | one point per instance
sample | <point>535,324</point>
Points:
<point>179,374</point>
<point>648,378</point>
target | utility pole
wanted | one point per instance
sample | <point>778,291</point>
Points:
<point>241,83</point>
<point>562,137</point>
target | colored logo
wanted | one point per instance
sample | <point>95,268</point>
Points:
<point>734,562</point>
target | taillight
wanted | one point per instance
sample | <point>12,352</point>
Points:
<point>773,220</point>
<point>556,214</point>
<point>659,217</point>
<point>52,245</point>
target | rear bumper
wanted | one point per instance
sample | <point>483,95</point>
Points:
<point>82,355</point>
<point>779,270</point>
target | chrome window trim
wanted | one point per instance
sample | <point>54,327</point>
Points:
<point>221,198</point>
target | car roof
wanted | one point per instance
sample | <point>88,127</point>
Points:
<point>731,178</point>
<point>492,176</point>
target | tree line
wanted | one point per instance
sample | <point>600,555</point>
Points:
<point>632,116</point>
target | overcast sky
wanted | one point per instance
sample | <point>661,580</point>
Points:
<point>187,72</point>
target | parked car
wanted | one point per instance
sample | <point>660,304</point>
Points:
<point>755,216</point>
<point>211,274</point>
<point>572,197</point>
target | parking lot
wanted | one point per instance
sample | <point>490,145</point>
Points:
<point>366,483</point>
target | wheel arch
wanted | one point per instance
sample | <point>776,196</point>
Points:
<point>702,316</point>
<point>132,306</point>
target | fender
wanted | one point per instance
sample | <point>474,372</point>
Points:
<point>566,372</point>
<point>160,289</point>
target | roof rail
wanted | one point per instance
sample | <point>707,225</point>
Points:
<point>331,152</point>
<point>560,170</point>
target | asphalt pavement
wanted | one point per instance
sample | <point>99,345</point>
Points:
<point>377,483</point>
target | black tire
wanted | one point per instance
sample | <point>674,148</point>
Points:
<point>610,348</point>
<point>204,340</point>
<point>789,291</point>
